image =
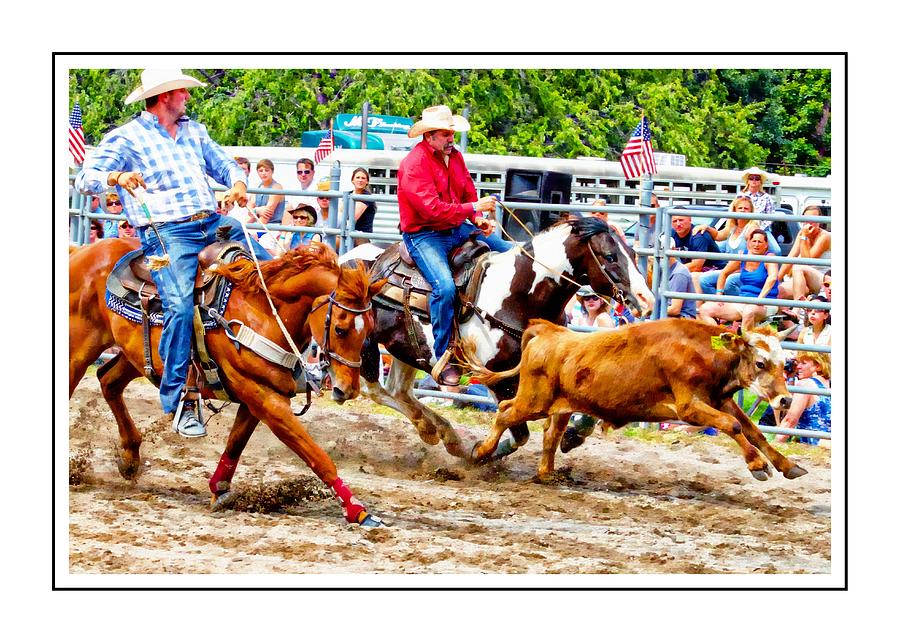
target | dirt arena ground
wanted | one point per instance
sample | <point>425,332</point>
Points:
<point>668,503</point>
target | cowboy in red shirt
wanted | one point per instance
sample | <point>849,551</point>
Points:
<point>439,210</point>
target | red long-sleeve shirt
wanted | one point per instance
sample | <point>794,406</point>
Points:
<point>432,195</point>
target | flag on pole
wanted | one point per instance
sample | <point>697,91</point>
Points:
<point>76,135</point>
<point>637,157</point>
<point>326,147</point>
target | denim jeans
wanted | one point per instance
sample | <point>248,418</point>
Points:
<point>708,283</point>
<point>175,282</point>
<point>430,249</point>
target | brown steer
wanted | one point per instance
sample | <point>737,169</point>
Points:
<point>672,369</point>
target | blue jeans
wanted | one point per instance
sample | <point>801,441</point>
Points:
<point>708,283</point>
<point>175,282</point>
<point>430,249</point>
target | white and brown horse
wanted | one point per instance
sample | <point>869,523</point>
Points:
<point>532,281</point>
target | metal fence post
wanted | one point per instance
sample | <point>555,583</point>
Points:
<point>644,222</point>
<point>334,203</point>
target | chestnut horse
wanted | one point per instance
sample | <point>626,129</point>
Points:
<point>314,297</point>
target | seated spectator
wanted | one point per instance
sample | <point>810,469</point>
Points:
<point>594,310</point>
<point>758,280</point>
<point>817,330</point>
<point>807,411</point>
<point>266,208</point>
<point>364,212</point>
<point>302,215</point>
<point>703,242</point>
<point>732,239</point>
<point>754,180</point>
<point>96,231</point>
<point>826,285</point>
<point>113,206</point>
<point>680,281</point>
<point>126,230</point>
<point>799,281</point>
<point>323,203</point>
<point>604,216</point>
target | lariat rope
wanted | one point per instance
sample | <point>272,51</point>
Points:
<point>287,335</point>
<point>617,293</point>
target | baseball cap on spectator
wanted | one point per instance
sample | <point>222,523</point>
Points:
<point>324,185</point>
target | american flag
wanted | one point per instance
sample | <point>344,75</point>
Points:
<point>637,157</point>
<point>76,135</point>
<point>326,147</point>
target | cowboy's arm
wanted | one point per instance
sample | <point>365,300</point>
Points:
<point>108,164</point>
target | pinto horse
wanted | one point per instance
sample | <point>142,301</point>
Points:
<point>314,297</point>
<point>532,281</point>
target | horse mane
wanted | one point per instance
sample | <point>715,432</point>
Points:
<point>243,274</point>
<point>353,284</point>
<point>587,227</point>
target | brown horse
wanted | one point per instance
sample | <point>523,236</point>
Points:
<point>314,298</point>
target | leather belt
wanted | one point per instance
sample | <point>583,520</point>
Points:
<point>197,217</point>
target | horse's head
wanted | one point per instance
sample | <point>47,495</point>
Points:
<point>340,323</point>
<point>604,260</point>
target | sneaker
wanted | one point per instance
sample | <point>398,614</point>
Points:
<point>188,424</point>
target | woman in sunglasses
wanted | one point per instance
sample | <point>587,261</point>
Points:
<point>595,310</point>
<point>754,180</point>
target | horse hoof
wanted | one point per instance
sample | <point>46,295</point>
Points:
<point>505,448</point>
<point>129,471</point>
<point>760,474</point>
<point>473,456</point>
<point>223,501</point>
<point>372,521</point>
<point>571,439</point>
<point>795,472</point>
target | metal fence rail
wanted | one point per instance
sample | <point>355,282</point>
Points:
<point>339,231</point>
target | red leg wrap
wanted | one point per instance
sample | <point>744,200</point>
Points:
<point>221,479</point>
<point>353,510</point>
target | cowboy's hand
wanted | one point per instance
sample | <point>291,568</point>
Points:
<point>130,181</point>
<point>485,204</point>
<point>485,225</point>
<point>237,194</point>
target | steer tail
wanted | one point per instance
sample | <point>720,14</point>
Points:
<point>488,377</point>
<point>477,367</point>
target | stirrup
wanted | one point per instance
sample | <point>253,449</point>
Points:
<point>196,429</point>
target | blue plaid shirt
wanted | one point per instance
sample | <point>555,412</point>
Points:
<point>174,170</point>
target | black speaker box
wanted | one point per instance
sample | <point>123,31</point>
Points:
<point>532,186</point>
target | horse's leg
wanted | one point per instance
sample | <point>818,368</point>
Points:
<point>552,437</point>
<point>220,482</point>
<point>431,427</point>
<point>751,432</point>
<point>114,376</point>
<point>87,339</point>
<point>274,409</point>
<point>575,436</point>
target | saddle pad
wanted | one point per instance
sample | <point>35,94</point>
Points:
<point>126,303</point>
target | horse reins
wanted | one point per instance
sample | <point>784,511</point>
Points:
<point>617,292</point>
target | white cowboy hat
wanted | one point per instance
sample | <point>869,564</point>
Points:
<point>438,117</point>
<point>754,170</point>
<point>159,81</point>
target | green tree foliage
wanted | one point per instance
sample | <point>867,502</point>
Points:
<point>717,118</point>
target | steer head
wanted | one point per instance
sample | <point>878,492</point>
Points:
<point>761,365</point>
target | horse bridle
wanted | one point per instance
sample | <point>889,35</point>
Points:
<point>617,292</point>
<point>329,354</point>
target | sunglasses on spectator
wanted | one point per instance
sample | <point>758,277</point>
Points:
<point>827,284</point>
<point>112,203</point>
<point>591,297</point>
<point>301,217</point>
<point>126,225</point>
<point>304,171</point>
<point>754,177</point>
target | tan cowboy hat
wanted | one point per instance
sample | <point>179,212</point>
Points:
<point>755,170</point>
<point>311,211</point>
<point>438,117</point>
<point>159,81</point>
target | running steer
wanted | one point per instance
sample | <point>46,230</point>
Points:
<point>673,369</point>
